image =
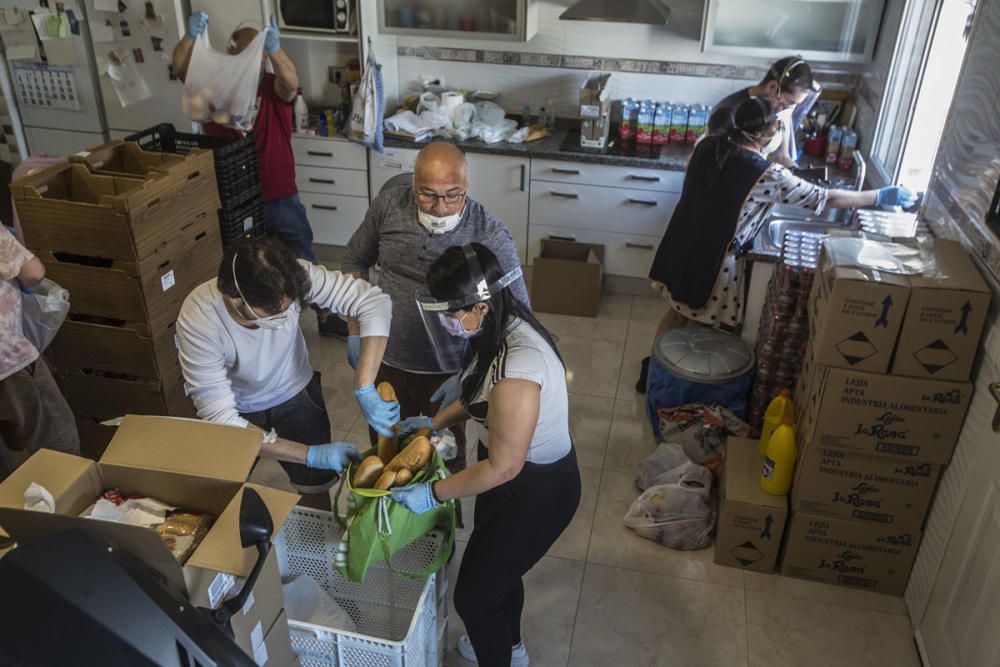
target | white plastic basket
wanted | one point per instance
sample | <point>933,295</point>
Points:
<point>396,617</point>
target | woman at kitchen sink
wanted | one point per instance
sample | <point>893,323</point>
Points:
<point>729,191</point>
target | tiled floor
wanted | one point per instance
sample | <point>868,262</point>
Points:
<point>604,596</point>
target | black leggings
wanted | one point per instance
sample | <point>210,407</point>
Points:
<point>515,524</point>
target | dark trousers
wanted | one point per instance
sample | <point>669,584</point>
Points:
<point>515,524</point>
<point>413,390</point>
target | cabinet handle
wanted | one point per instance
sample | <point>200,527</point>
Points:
<point>639,246</point>
<point>644,202</point>
<point>323,207</point>
<point>570,172</point>
<point>562,238</point>
<point>328,181</point>
<point>319,154</point>
<point>567,195</point>
<point>648,179</point>
<point>524,174</point>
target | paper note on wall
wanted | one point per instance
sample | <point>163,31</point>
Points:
<point>61,52</point>
<point>39,19</point>
<point>102,31</point>
<point>126,79</point>
<point>18,35</point>
<point>106,5</point>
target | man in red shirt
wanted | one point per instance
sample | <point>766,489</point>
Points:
<point>284,214</point>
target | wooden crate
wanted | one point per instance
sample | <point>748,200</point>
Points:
<point>127,347</point>
<point>94,438</point>
<point>95,398</point>
<point>66,208</point>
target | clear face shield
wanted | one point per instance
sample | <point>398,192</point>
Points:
<point>445,321</point>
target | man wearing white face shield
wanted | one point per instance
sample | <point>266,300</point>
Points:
<point>245,362</point>
<point>407,228</point>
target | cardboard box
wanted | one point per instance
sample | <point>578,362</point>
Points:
<point>883,414</point>
<point>945,317</point>
<point>856,311</point>
<point>276,649</point>
<point>849,553</point>
<point>566,278</point>
<point>262,608</point>
<point>878,489</point>
<point>195,465</point>
<point>751,522</point>
<point>116,347</point>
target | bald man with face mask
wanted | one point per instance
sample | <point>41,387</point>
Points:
<point>406,229</point>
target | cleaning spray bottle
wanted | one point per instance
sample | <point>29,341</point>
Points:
<point>779,461</point>
<point>779,408</point>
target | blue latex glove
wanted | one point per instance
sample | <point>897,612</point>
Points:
<point>895,195</point>
<point>271,43</point>
<point>197,23</point>
<point>353,351</point>
<point>418,498</point>
<point>380,415</point>
<point>336,456</point>
<point>449,391</point>
<point>411,424</point>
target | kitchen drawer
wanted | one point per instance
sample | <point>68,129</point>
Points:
<point>386,165</point>
<point>633,178</point>
<point>334,218</point>
<point>318,152</point>
<point>624,254</point>
<point>601,209</point>
<point>322,180</point>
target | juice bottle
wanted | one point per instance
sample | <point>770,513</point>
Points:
<point>779,408</point>
<point>779,462</point>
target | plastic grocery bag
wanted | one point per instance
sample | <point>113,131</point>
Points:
<point>222,88</point>
<point>377,527</point>
<point>701,430</point>
<point>677,515</point>
<point>368,107</point>
<point>43,311</point>
<point>666,465</point>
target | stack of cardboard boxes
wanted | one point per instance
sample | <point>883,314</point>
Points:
<point>883,394</point>
<point>129,233</point>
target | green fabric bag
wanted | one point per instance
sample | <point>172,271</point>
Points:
<point>378,527</point>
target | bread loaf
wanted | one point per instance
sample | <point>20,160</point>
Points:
<point>386,480</point>
<point>387,447</point>
<point>368,471</point>
<point>403,477</point>
<point>414,457</point>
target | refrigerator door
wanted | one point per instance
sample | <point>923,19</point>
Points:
<point>144,34</point>
<point>46,141</point>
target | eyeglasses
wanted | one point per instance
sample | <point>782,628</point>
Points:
<point>448,198</point>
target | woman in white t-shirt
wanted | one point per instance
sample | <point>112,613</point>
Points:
<point>526,483</point>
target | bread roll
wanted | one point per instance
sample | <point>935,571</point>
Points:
<point>386,480</point>
<point>414,457</point>
<point>387,447</point>
<point>368,472</point>
<point>403,477</point>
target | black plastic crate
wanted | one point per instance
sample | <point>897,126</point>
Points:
<point>236,168</point>
<point>244,220</point>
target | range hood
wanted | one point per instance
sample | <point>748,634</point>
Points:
<point>649,12</point>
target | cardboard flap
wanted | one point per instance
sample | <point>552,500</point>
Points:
<point>221,550</point>
<point>572,251</point>
<point>187,446</point>
<point>954,270</point>
<point>741,475</point>
<point>62,475</point>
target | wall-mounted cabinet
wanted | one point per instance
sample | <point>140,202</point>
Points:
<point>500,20</point>
<point>820,30</point>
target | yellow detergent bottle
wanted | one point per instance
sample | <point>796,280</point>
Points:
<point>779,461</point>
<point>778,409</point>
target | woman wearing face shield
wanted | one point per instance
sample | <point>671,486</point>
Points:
<point>729,191</point>
<point>526,483</point>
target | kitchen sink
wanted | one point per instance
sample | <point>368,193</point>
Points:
<point>773,235</point>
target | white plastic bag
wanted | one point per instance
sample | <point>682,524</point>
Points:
<point>666,465</point>
<point>223,88</point>
<point>677,515</point>
<point>43,312</point>
<point>367,107</point>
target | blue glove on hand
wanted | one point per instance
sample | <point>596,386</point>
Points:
<point>449,391</point>
<point>271,43</point>
<point>197,23</point>
<point>380,415</point>
<point>411,424</point>
<point>353,351</point>
<point>418,498</point>
<point>335,456</point>
<point>895,195</point>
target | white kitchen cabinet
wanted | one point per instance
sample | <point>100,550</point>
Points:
<point>332,177</point>
<point>331,152</point>
<point>324,180</point>
<point>632,178</point>
<point>602,209</point>
<point>500,184</point>
<point>334,218</point>
<point>624,254</point>
<point>824,30</point>
<point>494,20</point>
<point>391,162</point>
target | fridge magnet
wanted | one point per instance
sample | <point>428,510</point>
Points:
<point>128,83</point>
<point>157,43</point>
<point>122,7</point>
<point>152,22</point>
<point>74,23</point>
<point>137,54</point>
<point>125,30</point>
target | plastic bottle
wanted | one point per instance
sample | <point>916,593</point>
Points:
<point>301,112</point>
<point>779,408</point>
<point>779,462</point>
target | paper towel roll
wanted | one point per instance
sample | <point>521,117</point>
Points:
<point>450,100</point>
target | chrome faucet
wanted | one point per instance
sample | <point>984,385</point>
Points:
<point>859,160</point>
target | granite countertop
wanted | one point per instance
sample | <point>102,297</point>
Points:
<point>672,157</point>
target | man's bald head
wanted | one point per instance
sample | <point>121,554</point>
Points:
<point>440,168</point>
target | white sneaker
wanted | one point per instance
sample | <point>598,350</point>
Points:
<point>518,655</point>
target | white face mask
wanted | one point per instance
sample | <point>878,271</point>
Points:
<point>439,225</point>
<point>773,145</point>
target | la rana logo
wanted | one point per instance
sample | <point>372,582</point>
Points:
<point>901,540</point>
<point>857,497</point>
<point>884,428</point>
<point>919,470</point>
<point>846,562</point>
<point>951,397</point>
